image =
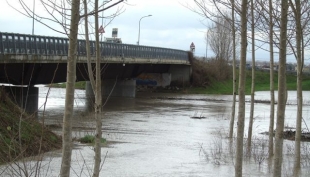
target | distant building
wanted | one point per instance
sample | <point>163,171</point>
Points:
<point>248,66</point>
<point>113,40</point>
<point>289,67</point>
<point>306,69</point>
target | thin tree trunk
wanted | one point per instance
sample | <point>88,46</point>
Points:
<point>89,65</point>
<point>98,101</point>
<point>299,58</point>
<point>233,107</point>
<point>96,86</point>
<point>272,101</point>
<point>71,74</point>
<point>282,93</point>
<point>298,120</point>
<point>241,111</point>
<point>253,82</point>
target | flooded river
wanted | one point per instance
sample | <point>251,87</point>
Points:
<point>154,135</point>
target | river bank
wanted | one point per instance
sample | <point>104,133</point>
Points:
<point>21,135</point>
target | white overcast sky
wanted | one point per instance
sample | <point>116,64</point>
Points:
<point>171,25</point>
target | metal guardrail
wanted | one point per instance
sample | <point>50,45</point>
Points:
<point>12,43</point>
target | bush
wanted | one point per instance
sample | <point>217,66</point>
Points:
<point>90,139</point>
<point>205,73</point>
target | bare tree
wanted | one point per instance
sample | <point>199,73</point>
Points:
<point>270,25</point>
<point>301,17</point>
<point>225,25</point>
<point>96,84</point>
<point>296,8</point>
<point>241,107</point>
<point>68,22</point>
<point>98,100</point>
<point>241,10</point>
<point>251,120</point>
<point>282,93</point>
<point>58,12</point>
<point>233,107</point>
<point>71,73</point>
<point>219,37</point>
<point>272,99</point>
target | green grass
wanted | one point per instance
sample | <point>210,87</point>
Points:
<point>262,83</point>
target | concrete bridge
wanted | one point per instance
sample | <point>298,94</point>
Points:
<point>30,59</point>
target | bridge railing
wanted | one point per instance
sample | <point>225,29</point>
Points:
<point>12,43</point>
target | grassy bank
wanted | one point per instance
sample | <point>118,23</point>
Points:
<point>262,81</point>
<point>21,135</point>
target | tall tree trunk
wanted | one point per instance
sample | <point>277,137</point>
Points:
<point>89,65</point>
<point>282,93</point>
<point>299,36</point>
<point>298,120</point>
<point>241,111</point>
<point>253,82</point>
<point>71,74</point>
<point>96,86</point>
<point>272,101</point>
<point>233,107</point>
<point>98,99</point>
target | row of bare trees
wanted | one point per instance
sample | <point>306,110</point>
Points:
<point>283,25</point>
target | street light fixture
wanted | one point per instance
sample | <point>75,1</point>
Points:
<point>139,28</point>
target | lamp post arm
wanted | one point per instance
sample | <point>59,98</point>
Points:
<point>139,31</point>
<point>139,28</point>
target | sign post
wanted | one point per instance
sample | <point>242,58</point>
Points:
<point>114,32</point>
<point>101,29</point>
<point>192,47</point>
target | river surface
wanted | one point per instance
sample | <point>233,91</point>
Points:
<point>155,135</point>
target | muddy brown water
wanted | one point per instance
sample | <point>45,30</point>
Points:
<point>154,136</point>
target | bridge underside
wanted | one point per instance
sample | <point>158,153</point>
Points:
<point>45,73</point>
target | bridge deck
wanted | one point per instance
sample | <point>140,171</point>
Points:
<point>21,48</point>
<point>24,58</point>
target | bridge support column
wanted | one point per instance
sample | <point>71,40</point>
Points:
<point>180,74</point>
<point>122,88</point>
<point>25,97</point>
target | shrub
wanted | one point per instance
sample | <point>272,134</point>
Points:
<point>90,139</point>
<point>205,73</point>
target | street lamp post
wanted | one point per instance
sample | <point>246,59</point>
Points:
<point>139,28</point>
<point>33,9</point>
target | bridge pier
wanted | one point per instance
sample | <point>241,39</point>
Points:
<point>180,74</point>
<point>114,88</point>
<point>25,97</point>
